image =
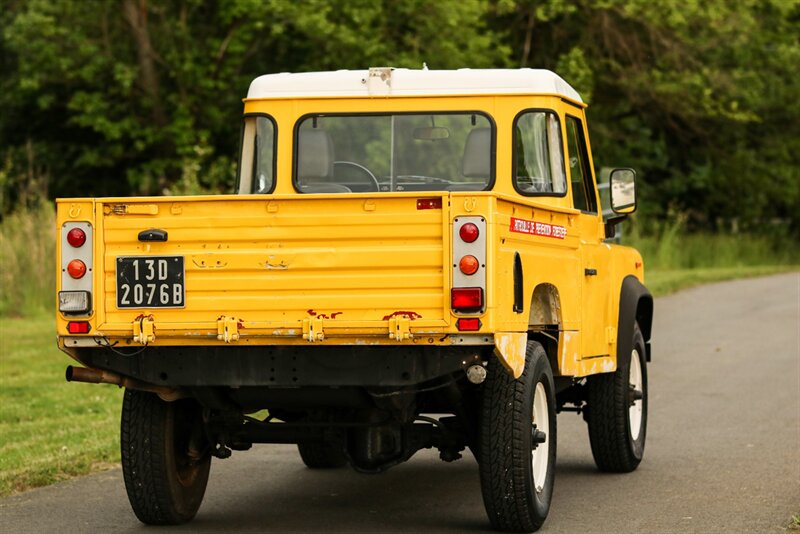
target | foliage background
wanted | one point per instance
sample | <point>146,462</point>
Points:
<point>118,97</point>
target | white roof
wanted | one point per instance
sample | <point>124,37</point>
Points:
<point>409,82</point>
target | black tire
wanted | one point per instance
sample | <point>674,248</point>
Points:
<point>514,500</point>
<point>165,484</point>
<point>611,396</point>
<point>321,456</point>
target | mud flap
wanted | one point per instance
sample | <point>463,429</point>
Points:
<point>510,347</point>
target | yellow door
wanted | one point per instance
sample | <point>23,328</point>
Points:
<point>595,255</point>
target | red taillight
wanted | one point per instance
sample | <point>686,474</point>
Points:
<point>76,269</point>
<point>466,298</point>
<point>76,237</point>
<point>78,327</point>
<point>468,325</point>
<point>429,203</point>
<point>469,265</point>
<point>469,232</point>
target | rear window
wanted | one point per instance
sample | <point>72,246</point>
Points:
<point>394,152</point>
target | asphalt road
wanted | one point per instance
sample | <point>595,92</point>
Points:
<point>722,455</point>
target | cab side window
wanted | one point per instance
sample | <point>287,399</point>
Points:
<point>583,194</point>
<point>538,155</point>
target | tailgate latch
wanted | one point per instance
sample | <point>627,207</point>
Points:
<point>144,329</point>
<point>228,329</point>
<point>312,329</point>
<point>400,328</point>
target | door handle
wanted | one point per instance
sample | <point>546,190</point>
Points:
<point>590,272</point>
<point>153,234</point>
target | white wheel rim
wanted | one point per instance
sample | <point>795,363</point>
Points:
<point>540,456</point>
<point>636,384</point>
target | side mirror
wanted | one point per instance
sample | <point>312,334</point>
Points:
<point>623,191</point>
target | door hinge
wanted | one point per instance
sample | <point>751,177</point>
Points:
<point>144,329</point>
<point>312,329</point>
<point>400,328</point>
<point>228,329</point>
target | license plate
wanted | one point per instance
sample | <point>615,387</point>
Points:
<point>150,282</point>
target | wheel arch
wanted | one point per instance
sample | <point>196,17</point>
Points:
<point>635,306</point>
<point>545,307</point>
<point>545,320</point>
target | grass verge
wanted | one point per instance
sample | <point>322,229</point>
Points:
<point>49,429</point>
<point>663,282</point>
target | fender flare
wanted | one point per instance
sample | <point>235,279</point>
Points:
<point>635,305</point>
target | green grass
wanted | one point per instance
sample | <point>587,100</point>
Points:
<point>49,429</point>
<point>664,282</point>
<point>27,261</point>
<point>677,260</point>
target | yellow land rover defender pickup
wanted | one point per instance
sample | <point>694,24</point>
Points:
<point>414,259</point>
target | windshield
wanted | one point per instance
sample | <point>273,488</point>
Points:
<point>401,152</point>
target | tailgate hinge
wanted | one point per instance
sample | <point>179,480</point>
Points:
<point>228,329</point>
<point>144,329</point>
<point>312,329</point>
<point>400,328</point>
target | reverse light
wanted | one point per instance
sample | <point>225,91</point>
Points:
<point>468,325</point>
<point>73,301</point>
<point>469,265</point>
<point>469,232</point>
<point>466,299</point>
<point>78,327</point>
<point>76,237</point>
<point>76,269</point>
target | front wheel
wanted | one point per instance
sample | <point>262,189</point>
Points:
<point>165,457</point>
<point>518,443</point>
<point>617,413</point>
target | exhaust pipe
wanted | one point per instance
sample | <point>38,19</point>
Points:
<point>97,376</point>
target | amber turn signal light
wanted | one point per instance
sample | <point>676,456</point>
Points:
<point>76,269</point>
<point>469,265</point>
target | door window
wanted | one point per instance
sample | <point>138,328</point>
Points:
<point>583,193</point>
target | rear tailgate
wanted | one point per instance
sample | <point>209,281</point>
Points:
<point>273,265</point>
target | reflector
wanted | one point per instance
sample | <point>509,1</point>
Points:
<point>468,325</point>
<point>78,327</point>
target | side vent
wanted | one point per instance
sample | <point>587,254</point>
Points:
<point>519,285</point>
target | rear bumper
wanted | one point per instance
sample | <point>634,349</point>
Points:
<point>282,366</point>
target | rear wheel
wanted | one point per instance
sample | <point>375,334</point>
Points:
<point>617,413</point>
<point>518,443</point>
<point>321,456</point>
<point>165,457</point>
